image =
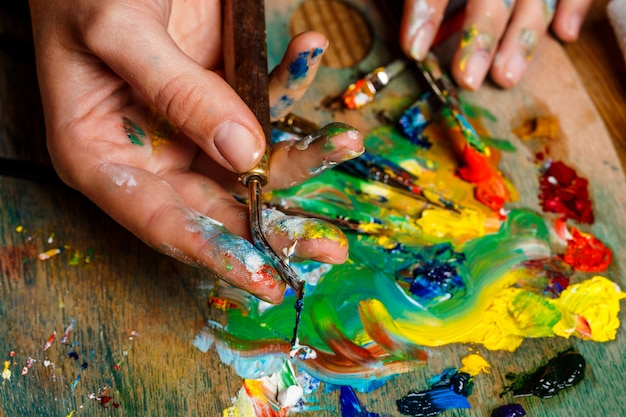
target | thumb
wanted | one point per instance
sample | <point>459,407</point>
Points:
<point>195,99</point>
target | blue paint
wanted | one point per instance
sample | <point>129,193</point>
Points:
<point>509,410</point>
<point>433,276</point>
<point>299,68</point>
<point>448,390</point>
<point>350,405</point>
<point>413,122</point>
<point>317,52</point>
<point>279,108</point>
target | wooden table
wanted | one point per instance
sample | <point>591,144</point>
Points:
<point>136,312</point>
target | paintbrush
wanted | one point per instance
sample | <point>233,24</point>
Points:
<point>444,100</point>
<point>245,60</point>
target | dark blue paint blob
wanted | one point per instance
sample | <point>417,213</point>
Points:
<point>562,371</point>
<point>431,402</point>
<point>350,405</point>
<point>299,67</point>
<point>509,410</point>
<point>413,122</point>
<point>434,274</point>
<point>447,390</point>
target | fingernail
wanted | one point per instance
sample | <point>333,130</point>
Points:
<point>421,41</point>
<point>475,70</point>
<point>573,25</point>
<point>515,68</point>
<point>237,145</point>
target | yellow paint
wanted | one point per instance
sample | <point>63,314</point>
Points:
<point>499,322</point>
<point>598,301</point>
<point>71,413</point>
<point>451,226</point>
<point>6,372</point>
<point>243,407</point>
<point>19,229</point>
<point>474,364</point>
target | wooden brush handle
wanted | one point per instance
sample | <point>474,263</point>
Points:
<point>245,60</point>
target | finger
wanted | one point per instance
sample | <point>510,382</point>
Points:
<point>305,238</point>
<point>302,238</point>
<point>420,22</point>
<point>485,23</point>
<point>569,17</point>
<point>198,101</point>
<point>153,210</point>
<point>528,25</point>
<point>290,79</point>
<point>296,161</point>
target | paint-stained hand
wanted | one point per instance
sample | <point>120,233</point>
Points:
<point>141,121</point>
<point>499,36</point>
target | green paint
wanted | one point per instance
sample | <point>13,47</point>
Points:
<point>134,132</point>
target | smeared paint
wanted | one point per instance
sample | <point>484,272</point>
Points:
<point>562,191</point>
<point>509,410</point>
<point>561,372</point>
<point>133,131</point>
<point>350,404</point>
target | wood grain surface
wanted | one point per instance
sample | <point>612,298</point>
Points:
<point>137,312</point>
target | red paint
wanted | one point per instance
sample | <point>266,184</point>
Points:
<point>562,191</point>
<point>490,187</point>
<point>586,253</point>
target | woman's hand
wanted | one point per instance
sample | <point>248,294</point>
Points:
<point>499,36</point>
<point>140,120</point>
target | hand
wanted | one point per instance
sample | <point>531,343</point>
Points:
<point>139,119</point>
<point>501,34</point>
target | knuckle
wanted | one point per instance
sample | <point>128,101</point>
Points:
<point>181,101</point>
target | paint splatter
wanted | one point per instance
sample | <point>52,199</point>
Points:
<point>562,191</point>
<point>561,372</point>
<point>472,42</point>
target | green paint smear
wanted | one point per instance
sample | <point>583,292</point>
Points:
<point>134,132</point>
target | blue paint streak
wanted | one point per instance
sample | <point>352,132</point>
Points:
<point>350,405</point>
